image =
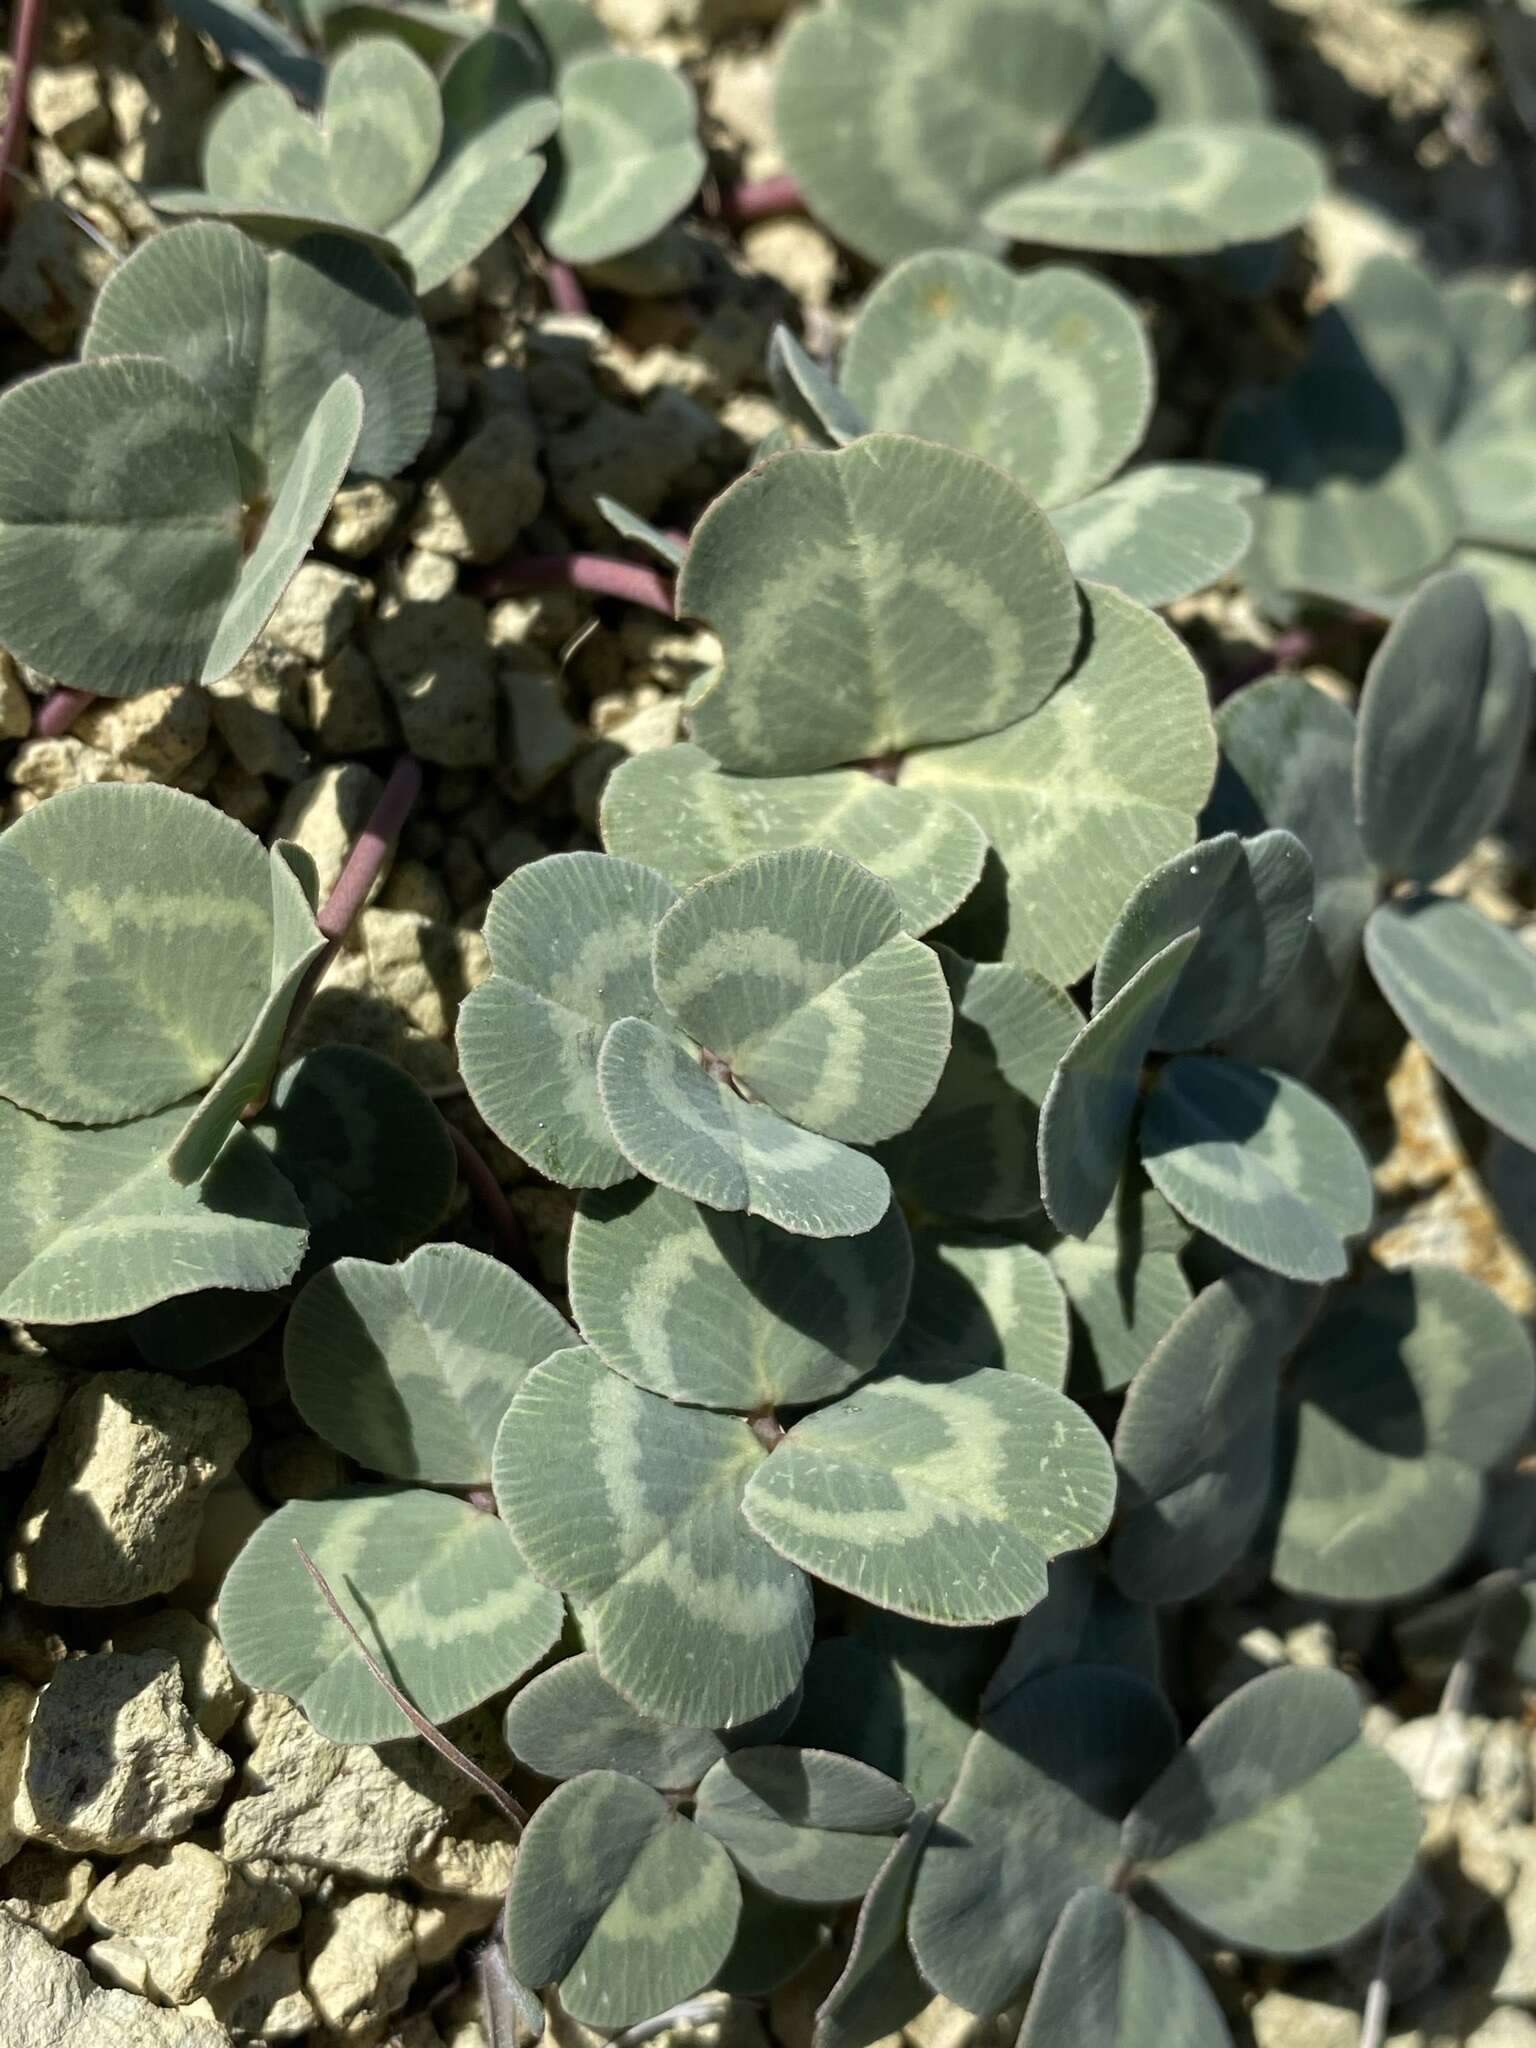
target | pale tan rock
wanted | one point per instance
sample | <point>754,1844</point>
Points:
<point>189,1919</point>
<point>65,103</point>
<point>362,515</point>
<point>477,1863</point>
<point>151,737</point>
<point>739,94</point>
<point>486,494</point>
<point>17,1700</point>
<point>423,969</point>
<point>267,2000</point>
<point>361,1963</point>
<point>319,611</point>
<point>15,704</point>
<point>45,1889</point>
<point>351,1809</point>
<point>114,1760</point>
<point>441,1927</point>
<point>241,795</point>
<point>1439,1752</point>
<point>49,2000</point>
<point>347,711</point>
<point>114,1515</point>
<point>325,814</point>
<point>256,707</point>
<point>424,576</point>
<point>1280,2020</point>
<point>433,660</point>
<point>796,252</point>
<point>32,1392</point>
<point>648,727</point>
<point>213,1694</point>
<point>45,767</point>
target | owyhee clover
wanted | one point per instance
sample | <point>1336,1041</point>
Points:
<point>1068,723</point>
<point>912,127</point>
<point>428,130</point>
<point>1275,1829</point>
<point>426,171</point>
<point>1401,445</point>
<point>173,480</point>
<point>154,951</point>
<point>1049,376</point>
<point>732,1044</point>
<point>1248,1155</point>
<point>1345,1437</point>
<point>1444,714</point>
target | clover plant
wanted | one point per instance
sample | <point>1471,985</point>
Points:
<point>1050,377</point>
<point>1081,124</point>
<point>155,954</point>
<point>157,497</point>
<point>1400,444</point>
<point>433,165</point>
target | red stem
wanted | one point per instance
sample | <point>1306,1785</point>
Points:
<point>601,575</point>
<point>762,198</point>
<point>371,849</point>
<point>58,711</point>
<point>492,1195</point>
<point>24,33</point>
<point>564,287</point>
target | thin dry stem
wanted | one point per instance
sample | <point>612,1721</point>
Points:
<point>26,26</point>
<point>599,575</point>
<point>498,1795</point>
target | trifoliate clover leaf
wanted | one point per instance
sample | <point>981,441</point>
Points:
<point>1278,1828</point>
<point>1090,1108</point>
<point>961,114</point>
<point>140,927</point>
<point>1442,727</point>
<point>728,1311</point>
<point>1249,900</point>
<point>1162,530</point>
<point>570,1719</point>
<point>879,1990</point>
<point>1112,1973</point>
<point>93,1226</point>
<point>409,1369</point>
<point>126,552</point>
<point>435,1588</point>
<point>433,170</point>
<point>774,1942</point>
<point>1466,989</point>
<point>1258,1162</point>
<point>632,1507</point>
<point>626,159</point>
<point>932,585</point>
<point>1035,1817</point>
<point>1178,189</point>
<point>943,1502</point>
<point>1406,1392</point>
<point>690,1132</point>
<point>1048,375</point>
<point>1287,752</point>
<point>1091,792</point>
<point>971,1153</point>
<point>620,1900</point>
<point>804,1825</point>
<point>794,969</point>
<point>679,812</point>
<point>367,1153</point>
<point>1195,1440</point>
<point>570,945</point>
<point>980,1300</point>
<point>264,334</point>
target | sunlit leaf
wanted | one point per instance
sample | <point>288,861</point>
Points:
<point>436,1589</point>
<point>633,1508</point>
<point>627,159</point>
<point>1162,531</point>
<point>943,1501</point>
<point>726,1310</point>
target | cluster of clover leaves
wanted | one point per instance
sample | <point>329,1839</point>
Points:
<point>945,999</point>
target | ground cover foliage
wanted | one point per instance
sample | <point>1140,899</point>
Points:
<point>970,1261</point>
